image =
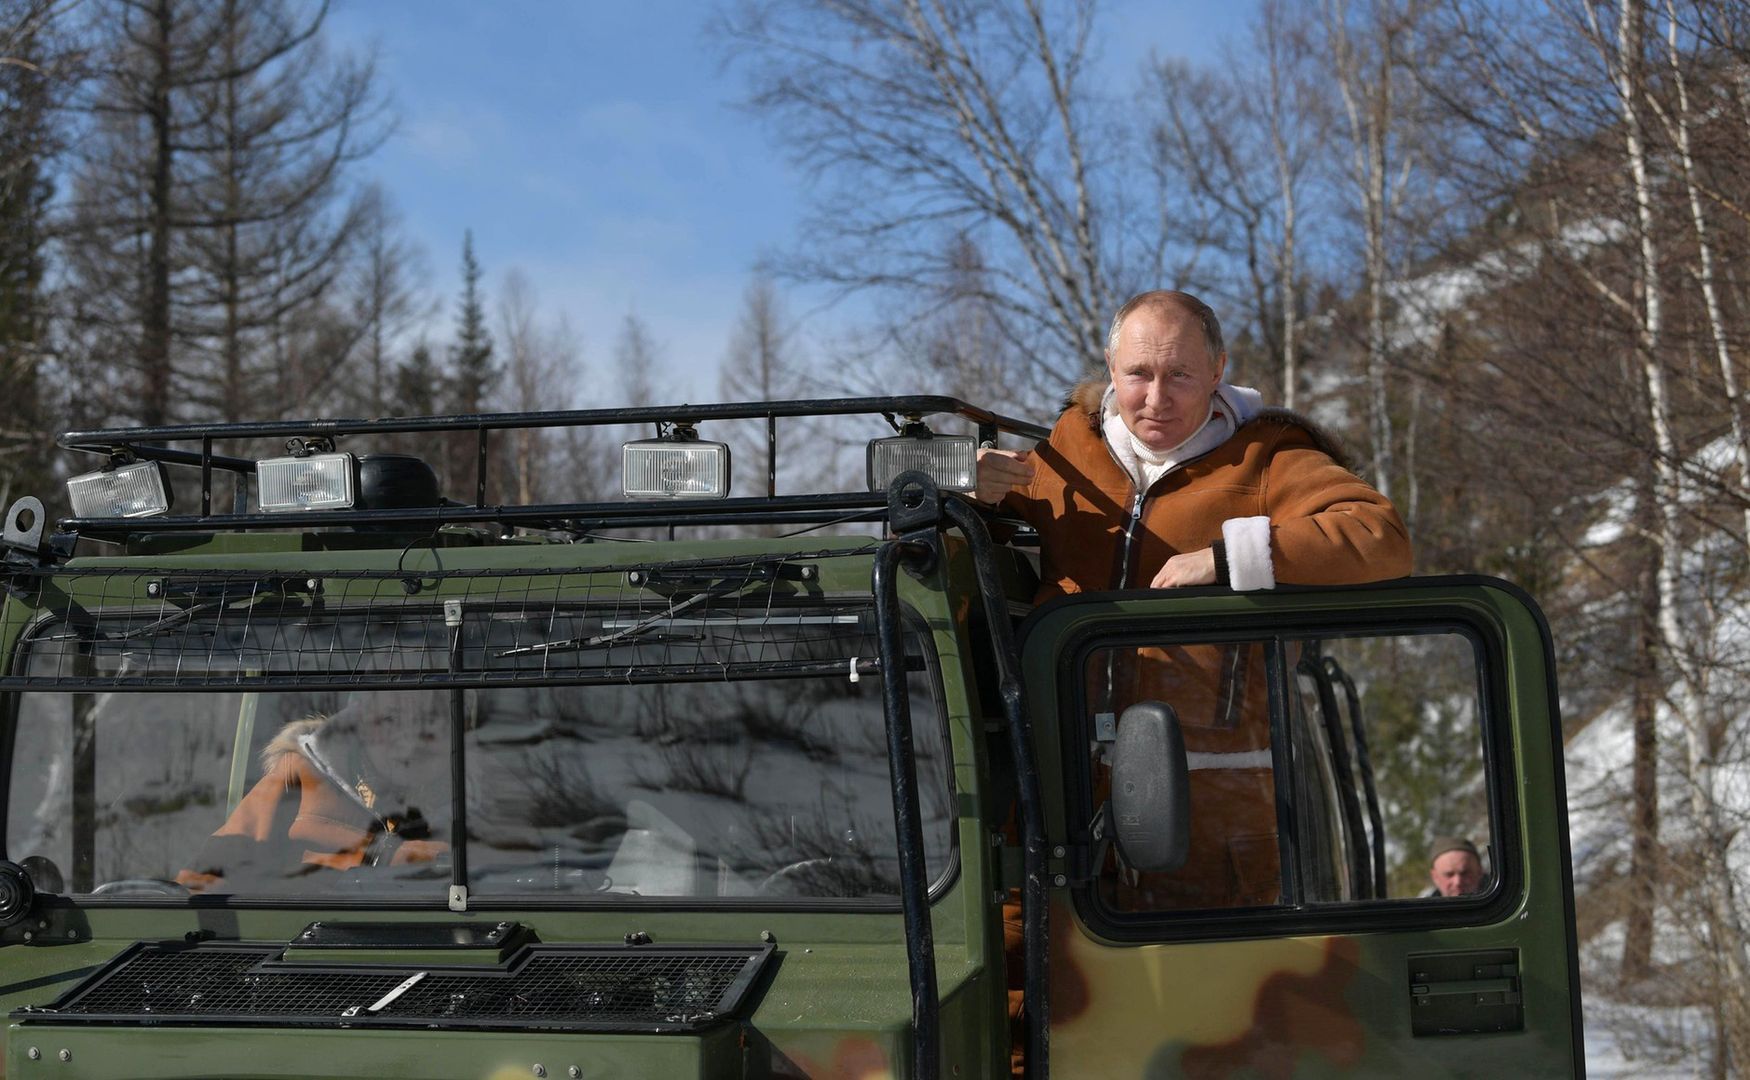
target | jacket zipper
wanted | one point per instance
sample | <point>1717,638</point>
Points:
<point>1130,524</point>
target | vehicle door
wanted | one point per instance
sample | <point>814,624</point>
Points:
<point>1333,740</point>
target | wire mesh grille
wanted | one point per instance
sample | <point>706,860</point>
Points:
<point>702,619</point>
<point>598,988</point>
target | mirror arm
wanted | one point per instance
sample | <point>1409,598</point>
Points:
<point>1087,856</point>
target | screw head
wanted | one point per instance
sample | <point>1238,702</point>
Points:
<point>540,1070</point>
<point>153,588</point>
<point>768,937</point>
<point>33,1054</point>
<point>574,1072</point>
<point>1060,880</point>
<point>1059,851</point>
<point>66,1055</point>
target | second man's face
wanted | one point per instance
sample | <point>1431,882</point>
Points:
<point>1164,376</point>
<point>1457,873</point>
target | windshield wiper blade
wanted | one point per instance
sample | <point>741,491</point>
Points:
<point>168,622</point>
<point>763,572</point>
<point>599,641</point>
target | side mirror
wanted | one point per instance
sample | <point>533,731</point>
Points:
<point>1151,788</point>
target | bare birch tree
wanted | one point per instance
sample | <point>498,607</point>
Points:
<point>1368,49</point>
<point>639,360</point>
<point>924,120</point>
<point>385,301</point>
<point>543,364</point>
<point>1245,159</point>
<point>1625,55</point>
<point>760,366</point>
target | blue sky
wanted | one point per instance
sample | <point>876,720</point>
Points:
<point>596,146</point>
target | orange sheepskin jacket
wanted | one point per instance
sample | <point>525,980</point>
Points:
<point>1326,525</point>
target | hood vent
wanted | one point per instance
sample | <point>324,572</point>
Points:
<point>591,988</point>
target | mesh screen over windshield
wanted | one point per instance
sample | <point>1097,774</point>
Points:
<point>684,732</point>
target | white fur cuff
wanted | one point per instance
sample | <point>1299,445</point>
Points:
<point>1248,553</point>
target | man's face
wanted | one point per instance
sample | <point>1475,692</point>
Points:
<point>1457,873</point>
<point>1164,376</point>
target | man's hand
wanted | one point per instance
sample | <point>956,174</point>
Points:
<point>1000,472</point>
<point>1191,568</point>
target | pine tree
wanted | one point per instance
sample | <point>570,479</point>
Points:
<point>419,385</point>
<point>472,375</point>
<point>472,371</point>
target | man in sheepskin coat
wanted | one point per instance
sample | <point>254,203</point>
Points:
<point>1162,475</point>
<point>336,794</point>
<point>1221,490</point>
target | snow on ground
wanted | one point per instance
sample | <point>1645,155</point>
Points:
<point>1610,1055</point>
<point>1599,766</point>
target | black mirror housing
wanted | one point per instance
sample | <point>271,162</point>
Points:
<point>1151,788</point>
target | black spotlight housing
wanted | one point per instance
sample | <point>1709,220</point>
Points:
<point>396,482</point>
<point>16,893</point>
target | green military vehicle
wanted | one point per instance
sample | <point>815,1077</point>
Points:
<point>339,777</point>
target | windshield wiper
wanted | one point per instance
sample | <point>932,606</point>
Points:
<point>204,598</point>
<point>763,572</point>
<point>598,641</point>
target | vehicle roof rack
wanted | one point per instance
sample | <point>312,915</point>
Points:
<point>159,444</point>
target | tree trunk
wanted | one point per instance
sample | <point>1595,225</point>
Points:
<point>155,300</point>
<point>1637,946</point>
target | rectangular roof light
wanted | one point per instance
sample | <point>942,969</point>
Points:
<point>313,482</point>
<point>127,491</point>
<point>950,460</point>
<point>668,469</point>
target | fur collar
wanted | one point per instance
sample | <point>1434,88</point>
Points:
<point>1084,398</point>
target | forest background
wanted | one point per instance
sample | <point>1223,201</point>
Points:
<point>1503,247</point>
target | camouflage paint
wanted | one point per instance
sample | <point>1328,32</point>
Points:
<point>1311,1005</point>
<point>837,1004</point>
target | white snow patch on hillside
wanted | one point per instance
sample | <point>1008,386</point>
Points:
<point>1423,303</point>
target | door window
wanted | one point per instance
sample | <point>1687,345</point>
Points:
<point>1324,770</point>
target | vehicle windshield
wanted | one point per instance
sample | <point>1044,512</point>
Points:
<point>705,754</point>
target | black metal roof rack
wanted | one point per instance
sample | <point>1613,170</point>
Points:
<point>159,444</point>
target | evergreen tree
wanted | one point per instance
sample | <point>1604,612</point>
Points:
<point>416,387</point>
<point>471,377</point>
<point>472,372</point>
<point>419,385</point>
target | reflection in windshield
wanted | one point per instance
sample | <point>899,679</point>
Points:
<point>752,787</point>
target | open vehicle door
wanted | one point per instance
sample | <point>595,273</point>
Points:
<point>1242,791</point>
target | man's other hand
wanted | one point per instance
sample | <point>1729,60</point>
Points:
<point>1191,568</point>
<point>1002,471</point>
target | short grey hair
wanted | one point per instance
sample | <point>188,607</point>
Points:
<point>1175,300</point>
